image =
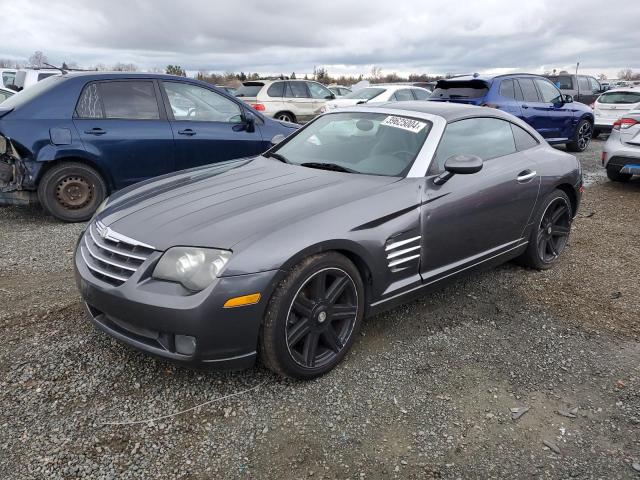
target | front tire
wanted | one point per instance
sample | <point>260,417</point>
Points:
<point>581,137</point>
<point>616,176</point>
<point>550,234</point>
<point>71,191</point>
<point>313,317</point>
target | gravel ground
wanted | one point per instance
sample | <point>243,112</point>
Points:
<point>427,391</point>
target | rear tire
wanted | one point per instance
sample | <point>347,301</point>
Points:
<point>581,137</point>
<point>616,176</point>
<point>313,317</point>
<point>285,117</point>
<point>550,234</point>
<point>71,191</point>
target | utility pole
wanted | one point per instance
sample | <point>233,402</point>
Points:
<point>577,81</point>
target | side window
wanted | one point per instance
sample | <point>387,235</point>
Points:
<point>485,137</point>
<point>583,83</point>
<point>529,92</point>
<point>8,78</point>
<point>420,94</point>
<point>344,91</point>
<point>595,86</point>
<point>133,100</point>
<point>89,105</point>
<point>276,89</point>
<point>506,89</point>
<point>524,140</point>
<point>194,103</point>
<point>403,95</point>
<point>549,93</point>
<point>318,91</point>
<point>296,90</point>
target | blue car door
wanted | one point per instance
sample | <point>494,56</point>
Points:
<point>533,110</point>
<point>207,126</point>
<point>559,118</point>
<point>124,130</point>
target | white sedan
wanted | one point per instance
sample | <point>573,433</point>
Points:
<point>379,92</point>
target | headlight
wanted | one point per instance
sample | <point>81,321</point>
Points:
<point>194,268</point>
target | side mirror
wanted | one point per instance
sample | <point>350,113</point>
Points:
<point>331,96</point>
<point>567,98</point>
<point>250,122</point>
<point>277,139</point>
<point>459,164</point>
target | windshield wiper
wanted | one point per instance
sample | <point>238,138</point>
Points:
<point>277,156</point>
<point>328,166</point>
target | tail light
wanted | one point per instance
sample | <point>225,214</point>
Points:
<point>258,106</point>
<point>624,123</point>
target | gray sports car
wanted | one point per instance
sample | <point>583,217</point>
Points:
<point>282,255</point>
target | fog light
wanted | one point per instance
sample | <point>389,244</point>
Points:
<point>185,344</point>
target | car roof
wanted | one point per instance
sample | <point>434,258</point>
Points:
<point>114,75</point>
<point>489,77</point>
<point>623,89</point>
<point>449,111</point>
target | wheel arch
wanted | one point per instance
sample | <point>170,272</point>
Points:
<point>288,112</point>
<point>349,249</point>
<point>573,196</point>
<point>48,165</point>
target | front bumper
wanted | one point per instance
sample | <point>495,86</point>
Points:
<point>149,315</point>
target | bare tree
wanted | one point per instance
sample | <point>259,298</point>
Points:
<point>376,72</point>
<point>38,59</point>
<point>602,76</point>
<point>125,67</point>
<point>625,74</point>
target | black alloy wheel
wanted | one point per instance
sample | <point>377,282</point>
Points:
<point>313,317</point>
<point>322,317</point>
<point>553,231</point>
<point>550,234</point>
<point>582,137</point>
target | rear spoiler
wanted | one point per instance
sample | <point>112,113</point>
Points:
<point>456,83</point>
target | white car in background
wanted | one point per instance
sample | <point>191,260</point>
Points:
<point>7,76</point>
<point>287,100</point>
<point>612,105</point>
<point>27,77</point>
<point>5,93</point>
<point>621,152</point>
<point>379,92</point>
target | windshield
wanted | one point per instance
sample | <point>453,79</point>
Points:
<point>369,143</point>
<point>620,97</point>
<point>365,93</point>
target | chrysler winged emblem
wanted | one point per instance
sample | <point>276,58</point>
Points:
<point>103,230</point>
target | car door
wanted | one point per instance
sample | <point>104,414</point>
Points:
<point>475,217</point>
<point>532,109</point>
<point>320,95</point>
<point>298,97</point>
<point>559,118</point>
<point>207,126</point>
<point>124,129</point>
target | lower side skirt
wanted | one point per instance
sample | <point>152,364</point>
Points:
<point>23,198</point>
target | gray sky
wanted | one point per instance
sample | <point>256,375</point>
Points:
<point>345,36</point>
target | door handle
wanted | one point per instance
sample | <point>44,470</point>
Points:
<point>524,177</point>
<point>187,131</point>
<point>95,131</point>
<point>525,106</point>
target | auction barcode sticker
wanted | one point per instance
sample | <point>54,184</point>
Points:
<point>405,123</point>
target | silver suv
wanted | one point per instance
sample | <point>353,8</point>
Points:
<point>287,100</point>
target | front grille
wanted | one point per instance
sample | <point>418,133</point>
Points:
<point>110,256</point>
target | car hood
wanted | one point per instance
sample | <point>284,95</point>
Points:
<point>219,206</point>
